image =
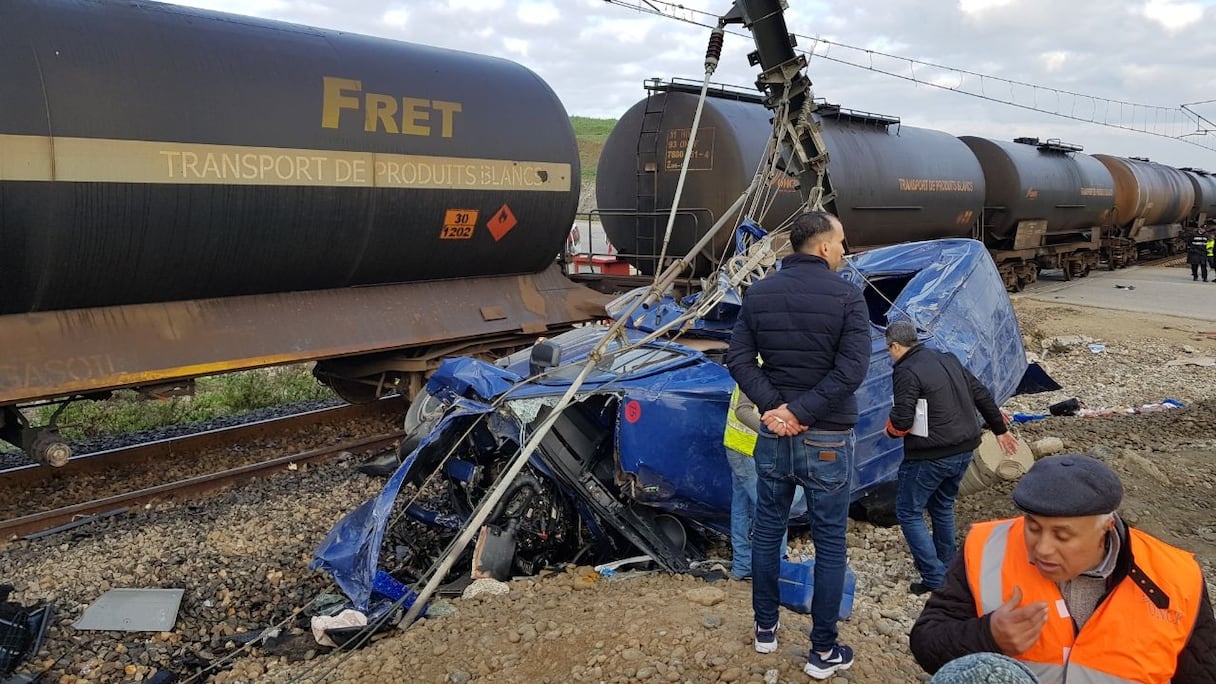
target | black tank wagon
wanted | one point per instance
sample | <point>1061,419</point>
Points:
<point>185,192</point>
<point>201,155</point>
<point>892,183</point>
<point>1035,204</point>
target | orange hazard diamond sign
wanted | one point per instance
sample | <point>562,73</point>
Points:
<point>501,222</point>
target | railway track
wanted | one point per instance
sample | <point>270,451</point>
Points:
<point>1171,260</point>
<point>166,453</point>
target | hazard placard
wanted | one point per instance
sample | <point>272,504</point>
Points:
<point>501,222</point>
<point>458,224</point>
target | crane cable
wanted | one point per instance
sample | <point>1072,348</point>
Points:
<point>712,54</point>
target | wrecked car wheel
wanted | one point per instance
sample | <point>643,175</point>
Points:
<point>423,409</point>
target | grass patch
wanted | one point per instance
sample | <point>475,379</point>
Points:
<point>215,397</point>
<point>591,134</point>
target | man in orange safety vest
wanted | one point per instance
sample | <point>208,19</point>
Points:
<point>1071,591</point>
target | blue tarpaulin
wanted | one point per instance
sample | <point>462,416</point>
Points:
<point>667,402</point>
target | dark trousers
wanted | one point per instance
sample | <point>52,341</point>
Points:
<point>1196,268</point>
<point>930,486</point>
<point>822,462</point>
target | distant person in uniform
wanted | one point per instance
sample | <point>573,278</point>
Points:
<point>812,329</point>
<point>1197,256</point>
<point>934,463</point>
<point>1211,247</point>
<point>1071,591</point>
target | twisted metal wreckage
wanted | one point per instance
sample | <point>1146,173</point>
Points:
<point>605,441</point>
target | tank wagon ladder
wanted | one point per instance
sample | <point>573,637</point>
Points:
<point>649,151</point>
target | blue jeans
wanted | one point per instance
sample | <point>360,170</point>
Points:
<point>743,512</point>
<point>933,486</point>
<point>822,462</point>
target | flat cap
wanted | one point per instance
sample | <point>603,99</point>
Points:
<point>1067,486</point>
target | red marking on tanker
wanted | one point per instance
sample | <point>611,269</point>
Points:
<point>458,224</point>
<point>633,411</point>
<point>501,222</point>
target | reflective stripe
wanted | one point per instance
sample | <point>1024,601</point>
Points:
<point>991,561</point>
<point>1076,674</point>
<point>1045,672</point>
<point>737,435</point>
<point>1072,674</point>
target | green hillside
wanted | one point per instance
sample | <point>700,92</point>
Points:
<point>591,134</point>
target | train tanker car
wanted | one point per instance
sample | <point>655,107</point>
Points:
<point>185,192</point>
<point>1035,204</point>
<point>1045,204</point>
<point>1152,202</point>
<point>932,186</point>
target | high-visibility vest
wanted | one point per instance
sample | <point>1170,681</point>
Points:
<point>1211,244</point>
<point>1134,635</point>
<point>738,436</point>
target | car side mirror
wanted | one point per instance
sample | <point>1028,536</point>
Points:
<point>545,354</point>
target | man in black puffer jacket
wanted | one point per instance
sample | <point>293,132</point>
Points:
<point>810,327</point>
<point>934,462</point>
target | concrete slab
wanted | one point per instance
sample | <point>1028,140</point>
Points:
<point>1145,289</point>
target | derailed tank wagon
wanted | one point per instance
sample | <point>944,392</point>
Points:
<point>186,192</point>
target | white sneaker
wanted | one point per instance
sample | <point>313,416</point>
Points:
<point>766,639</point>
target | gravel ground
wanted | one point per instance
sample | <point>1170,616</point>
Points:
<point>242,559</point>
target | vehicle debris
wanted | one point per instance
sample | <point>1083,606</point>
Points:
<point>634,463</point>
<point>133,610</point>
<point>22,630</point>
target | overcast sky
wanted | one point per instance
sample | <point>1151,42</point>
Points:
<point>595,55</point>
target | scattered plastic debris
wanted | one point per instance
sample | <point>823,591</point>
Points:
<point>1096,348</point>
<point>485,585</point>
<point>321,624</point>
<point>22,630</point>
<point>616,566</point>
<point>1028,417</point>
<point>1068,407</point>
<point>1163,405</point>
<point>133,610</point>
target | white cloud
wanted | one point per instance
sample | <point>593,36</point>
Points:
<point>537,13</point>
<point>1052,61</point>
<point>1174,16</point>
<point>398,17</point>
<point>516,46</point>
<point>479,6</point>
<point>981,6</point>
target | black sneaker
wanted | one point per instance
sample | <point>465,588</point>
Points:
<point>766,639</point>
<point>919,589</point>
<point>822,667</point>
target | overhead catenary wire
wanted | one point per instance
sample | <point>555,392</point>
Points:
<point>1187,124</point>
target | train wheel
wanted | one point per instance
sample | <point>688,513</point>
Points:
<point>352,391</point>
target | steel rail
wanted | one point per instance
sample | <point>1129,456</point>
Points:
<point>182,489</point>
<point>26,476</point>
